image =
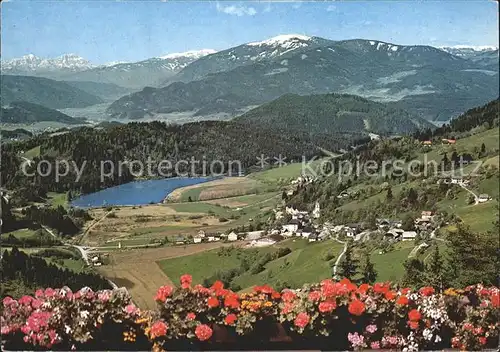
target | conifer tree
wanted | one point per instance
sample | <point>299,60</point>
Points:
<point>369,272</point>
<point>349,265</point>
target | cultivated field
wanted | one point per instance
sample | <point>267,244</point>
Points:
<point>138,271</point>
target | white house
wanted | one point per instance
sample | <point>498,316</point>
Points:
<point>254,235</point>
<point>232,237</point>
<point>262,242</point>
<point>292,226</point>
<point>483,198</point>
<point>317,211</point>
<point>409,235</point>
<point>211,238</point>
<point>313,238</point>
<point>197,239</point>
<point>201,234</point>
<point>306,232</point>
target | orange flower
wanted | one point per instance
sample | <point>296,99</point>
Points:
<point>390,295</point>
<point>413,325</point>
<point>203,332</point>
<point>356,307</point>
<point>402,301</point>
<point>414,315</point>
<point>381,287</point>
<point>231,301</point>
<point>213,302</point>
<point>230,319</point>
<point>427,291</point>
<point>363,288</point>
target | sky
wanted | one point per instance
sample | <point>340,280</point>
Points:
<point>107,31</point>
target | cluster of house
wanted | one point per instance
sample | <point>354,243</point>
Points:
<point>443,141</point>
<point>298,182</point>
<point>300,224</point>
<point>96,261</point>
<point>454,181</point>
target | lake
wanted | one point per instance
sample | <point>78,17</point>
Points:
<point>136,192</point>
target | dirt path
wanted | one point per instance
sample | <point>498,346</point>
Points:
<point>337,262</point>
<point>476,197</point>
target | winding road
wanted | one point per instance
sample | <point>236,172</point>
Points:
<point>476,197</point>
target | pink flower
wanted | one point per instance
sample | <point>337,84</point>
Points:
<point>163,293</point>
<point>356,339</point>
<point>288,296</point>
<point>39,293</point>
<point>191,316</point>
<point>104,296</point>
<point>375,345</point>
<point>302,320</point>
<point>25,300</point>
<point>186,281</point>
<point>131,309</point>
<point>5,330</point>
<point>7,301</point>
<point>371,328</point>
<point>36,303</point>
<point>49,292</point>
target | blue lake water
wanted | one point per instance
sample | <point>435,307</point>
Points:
<point>136,192</point>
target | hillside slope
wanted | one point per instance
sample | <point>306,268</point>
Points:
<point>23,112</point>
<point>46,92</point>
<point>330,113</point>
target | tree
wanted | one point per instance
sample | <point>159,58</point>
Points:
<point>414,273</point>
<point>389,196</point>
<point>190,199</point>
<point>472,257</point>
<point>483,149</point>
<point>348,266</point>
<point>408,223</point>
<point>435,269</point>
<point>369,272</point>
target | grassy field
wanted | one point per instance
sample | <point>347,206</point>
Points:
<point>389,265</point>
<point>57,199</point>
<point>306,263</point>
<point>32,153</point>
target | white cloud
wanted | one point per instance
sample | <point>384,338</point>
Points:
<point>331,8</point>
<point>237,10</point>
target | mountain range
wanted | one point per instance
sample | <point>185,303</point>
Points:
<point>135,75</point>
<point>435,84</point>
<point>255,73</point>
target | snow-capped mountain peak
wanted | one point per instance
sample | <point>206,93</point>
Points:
<point>192,54</point>
<point>470,47</point>
<point>283,40</point>
<point>30,62</point>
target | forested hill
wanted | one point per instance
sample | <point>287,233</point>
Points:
<point>208,140</point>
<point>330,113</point>
<point>24,112</point>
<point>43,91</point>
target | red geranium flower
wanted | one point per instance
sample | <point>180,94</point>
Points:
<point>302,320</point>
<point>213,302</point>
<point>288,296</point>
<point>402,300</point>
<point>203,332</point>
<point>218,285</point>
<point>363,288</point>
<point>482,340</point>
<point>390,295</point>
<point>381,287</point>
<point>405,291</point>
<point>186,281</point>
<point>231,301</point>
<point>356,307</point>
<point>191,316</point>
<point>163,293</point>
<point>414,315</point>
<point>314,296</point>
<point>276,295</point>
<point>287,308</point>
<point>230,319</point>
<point>413,325</point>
<point>427,291</point>
<point>159,328</point>
<point>495,299</point>
<point>327,306</point>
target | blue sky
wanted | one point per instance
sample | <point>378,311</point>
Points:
<point>104,31</point>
